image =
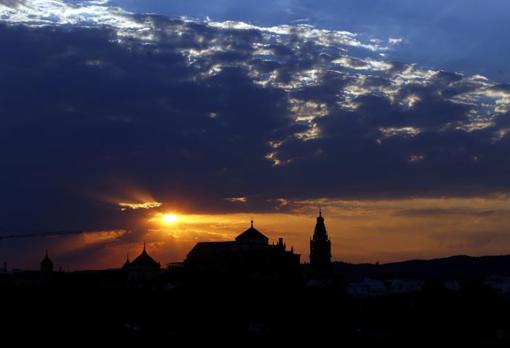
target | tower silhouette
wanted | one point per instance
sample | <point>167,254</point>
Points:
<point>46,264</point>
<point>320,250</point>
<point>46,270</point>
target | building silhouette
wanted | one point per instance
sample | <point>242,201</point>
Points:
<point>142,268</point>
<point>249,257</point>
<point>46,264</point>
<point>46,270</point>
<point>320,250</point>
<point>126,264</point>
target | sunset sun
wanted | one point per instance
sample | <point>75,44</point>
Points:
<point>169,218</point>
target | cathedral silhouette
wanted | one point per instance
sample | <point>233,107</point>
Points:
<point>249,258</point>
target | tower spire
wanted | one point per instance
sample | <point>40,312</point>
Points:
<point>251,222</point>
<point>320,249</point>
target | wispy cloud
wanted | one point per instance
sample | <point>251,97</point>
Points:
<point>144,205</point>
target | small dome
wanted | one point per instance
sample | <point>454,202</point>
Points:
<point>144,261</point>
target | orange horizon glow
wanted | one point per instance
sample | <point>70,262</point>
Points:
<point>360,231</point>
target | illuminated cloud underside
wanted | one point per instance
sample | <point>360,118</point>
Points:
<point>237,199</point>
<point>135,206</point>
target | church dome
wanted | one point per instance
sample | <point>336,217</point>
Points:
<point>144,261</point>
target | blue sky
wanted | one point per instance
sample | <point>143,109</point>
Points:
<point>461,35</point>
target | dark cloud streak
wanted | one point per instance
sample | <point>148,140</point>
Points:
<point>37,235</point>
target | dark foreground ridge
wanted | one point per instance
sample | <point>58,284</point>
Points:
<point>359,305</point>
<point>461,268</point>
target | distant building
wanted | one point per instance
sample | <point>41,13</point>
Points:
<point>375,287</point>
<point>46,264</point>
<point>46,270</point>
<point>142,268</point>
<point>404,286</point>
<point>500,284</point>
<point>367,288</point>
<point>320,250</point>
<point>250,257</point>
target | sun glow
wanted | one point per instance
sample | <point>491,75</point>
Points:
<point>169,218</point>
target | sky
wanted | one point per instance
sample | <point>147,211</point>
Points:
<point>391,115</point>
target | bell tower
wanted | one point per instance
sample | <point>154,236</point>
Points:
<point>320,250</point>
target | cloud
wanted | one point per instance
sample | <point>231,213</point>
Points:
<point>196,111</point>
<point>145,205</point>
<point>39,13</point>
<point>427,213</point>
<point>237,199</point>
<point>12,3</point>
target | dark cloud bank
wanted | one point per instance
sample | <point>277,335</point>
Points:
<point>200,113</point>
